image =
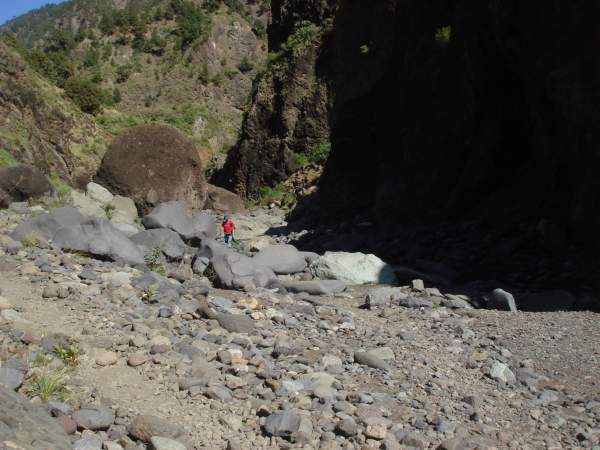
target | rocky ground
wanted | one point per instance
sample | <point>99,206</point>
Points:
<point>111,363</point>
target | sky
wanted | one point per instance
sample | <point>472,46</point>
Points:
<point>13,8</point>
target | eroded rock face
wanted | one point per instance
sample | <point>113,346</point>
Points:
<point>154,164</point>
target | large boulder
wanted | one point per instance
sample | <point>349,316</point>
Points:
<point>173,215</point>
<point>98,237</point>
<point>23,182</point>
<point>232,270</point>
<point>235,271</point>
<point>167,240</point>
<point>46,225</point>
<point>28,425</point>
<point>153,164</point>
<point>223,201</point>
<point>354,268</point>
<point>282,259</point>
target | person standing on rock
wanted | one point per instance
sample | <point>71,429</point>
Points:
<point>228,230</point>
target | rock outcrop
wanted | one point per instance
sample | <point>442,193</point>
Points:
<point>436,111</point>
<point>153,164</point>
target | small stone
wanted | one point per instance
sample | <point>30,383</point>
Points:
<point>111,445</point>
<point>106,358</point>
<point>376,431</point>
<point>501,372</point>
<point>50,291</point>
<point>418,285</point>
<point>144,427</point>
<point>162,443</point>
<point>137,359</point>
<point>282,423</point>
<point>87,443</point>
<point>369,360</point>
<point>236,323</point>
<point>347,427</point>
<point>383,353</point>
<point>94,419</point>
<point>67,424</point>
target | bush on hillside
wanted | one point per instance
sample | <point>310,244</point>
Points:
<point>85,94</point>
<point>192,23</point>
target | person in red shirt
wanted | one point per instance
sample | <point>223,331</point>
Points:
<point>228,230</point>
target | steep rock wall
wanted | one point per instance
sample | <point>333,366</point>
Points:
<point>495,116</point>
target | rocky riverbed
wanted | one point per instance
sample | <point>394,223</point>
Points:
<point>93,356</point>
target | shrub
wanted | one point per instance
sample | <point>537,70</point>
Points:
<point>204,75</point>
<point>85,94</point>
<point>245,65</point>
<point>192,23</point>
<point>91,58</point>
<point>117,95</point>
<point>277,194</point>
<point>259,29</point>
<point>61,189</point>
<point>123,72</point>
<point>443,35</point>
<point>319,153</point>
<point>68,352</point>
<point>154,261</point>
<point>31,240</point>
<point>47,385</point>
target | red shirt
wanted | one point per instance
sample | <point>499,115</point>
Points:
<point>228,227</point>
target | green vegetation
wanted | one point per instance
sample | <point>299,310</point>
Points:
<point>245,65</point>
<point>68,352</point>
<point>316,154</point>
<point>149,292</point>
<point>306,35</point>
<point>6,159</point>
<point>31,240</point>
<point>277,194</point>
<point>85,94</point>
<point>192,23</point>
<point>61,189</point>
<point>443,35</point>
<point>154,261</point>
<point>47,385</point>
<point>41,359</point>
<point>109,210</point>
<point>320,153</point>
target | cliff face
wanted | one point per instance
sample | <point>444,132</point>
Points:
<point>436,110</point>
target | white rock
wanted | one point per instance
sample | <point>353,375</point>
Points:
<point>354,268</point>
<point>501,372</point>
<point>98,193</point>
<point>124,210</point>
<point>85,205</point>
<point>161,443</point>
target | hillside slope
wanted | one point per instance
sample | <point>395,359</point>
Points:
<point>40,126</point>
<point>185,63</point>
